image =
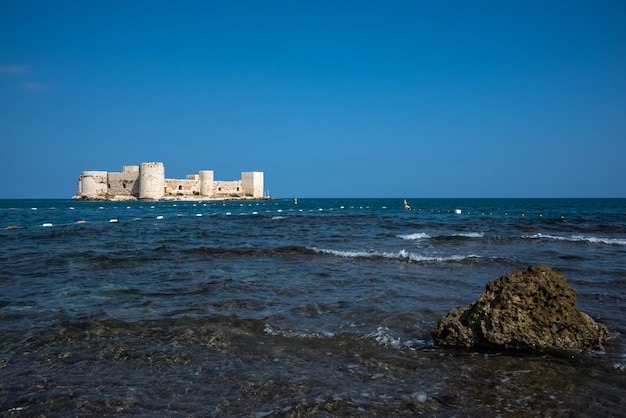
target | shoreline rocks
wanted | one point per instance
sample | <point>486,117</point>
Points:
<point>532,309</point>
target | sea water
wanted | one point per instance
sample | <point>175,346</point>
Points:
<point>314,307</point>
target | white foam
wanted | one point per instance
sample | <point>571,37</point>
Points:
<point>422,235</point>
<point>579,238</point>
<point>386,337</point>
<point>471,234</point>
<point>289,333</point>
<point>414,257</point>
<point>415,236</point>
<point>399,255</point>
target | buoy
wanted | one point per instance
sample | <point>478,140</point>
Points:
<point>160,217</point>
<point>81,222</point>
<point>113,221</point>
<point>47,224</point>
<point>198,214</point>
<point>458,211</point>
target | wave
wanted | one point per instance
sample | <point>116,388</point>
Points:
<point>289,333</point>
<point>398,255</point>
<point>415,236</point>
<point>384,336</point>
<point>578,238</point>
<point>423,235</point>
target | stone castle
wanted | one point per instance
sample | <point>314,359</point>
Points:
<point>147,181</point>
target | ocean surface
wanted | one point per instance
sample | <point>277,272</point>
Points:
<point>320,307</point>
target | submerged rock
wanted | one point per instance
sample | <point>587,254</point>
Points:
<point>533,309</point>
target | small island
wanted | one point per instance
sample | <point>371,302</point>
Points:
<point>147,181</point>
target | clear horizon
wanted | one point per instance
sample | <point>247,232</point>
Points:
<point>441,100</point>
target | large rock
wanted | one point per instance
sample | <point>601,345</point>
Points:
<point>534,309</point>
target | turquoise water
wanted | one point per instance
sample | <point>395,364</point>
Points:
<point>272,308</point>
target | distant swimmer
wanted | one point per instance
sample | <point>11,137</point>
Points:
<point>406,205</point>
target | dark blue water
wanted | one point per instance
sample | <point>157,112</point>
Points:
<point>272,308</point>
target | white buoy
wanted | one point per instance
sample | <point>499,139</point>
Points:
<point>160,217</point>
<point>113,221</point>
<point>47,224</point>
<point>458,211</point>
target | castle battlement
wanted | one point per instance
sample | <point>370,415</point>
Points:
<point>147,181</point>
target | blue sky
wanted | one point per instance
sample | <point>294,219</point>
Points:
<point>328,98</point>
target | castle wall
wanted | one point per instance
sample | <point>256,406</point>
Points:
<point>124,184</point>
<point>151,180</point>
<point>188,187</point>
<point>252,183</point>
<point>92,184</point>
<point>207,184</point>
<point>228,188</point>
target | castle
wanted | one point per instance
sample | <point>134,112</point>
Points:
<point>147,181</point>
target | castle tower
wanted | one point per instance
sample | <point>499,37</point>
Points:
<point>92,184</point>
<point>151,180</point>
<point>252,183</point>
<point>206,183</point>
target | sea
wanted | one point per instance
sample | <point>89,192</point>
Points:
<point>296,307</point>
